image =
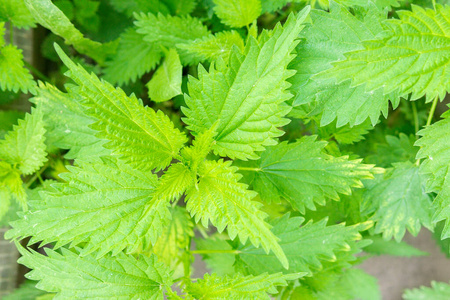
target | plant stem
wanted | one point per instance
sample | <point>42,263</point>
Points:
<point>249,169</point>
<point>37,175</point>
<point>434,4</point>
<point>36,72</point>
<point>172,294</point>
<point>433,108</point>
<point>214,251</point>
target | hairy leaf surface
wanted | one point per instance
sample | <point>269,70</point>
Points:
<point>237,13</point>
<point>224,201</point>
<point>413,53</point>
<point>303,173</point>
<point>133,59</point>
<point>306,247</point>
<point>399,202</point>
<point>13,75</point>
<point>72,276</point>
<point>437,291</point>
<point>25,145</point>
<point>170,31</point>
<point>330,35</point>
<point>247,97</point>
<point>142,137</point>
<point>100,205</point>
<point>239,287</point>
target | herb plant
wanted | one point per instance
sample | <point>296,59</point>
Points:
<point>257,145</point>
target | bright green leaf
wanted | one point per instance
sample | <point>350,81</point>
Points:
<point>213,47</point>
<point>11,185</point>
<point>13,75</point>
<point>237,13</point>
<point>437,291</point>
<point>67,125</point>
<point>221,199</point>
<point>247,97</point>
<point>399,201</point>
<point>133,59</point>
<point>16,12</point>
<point>142,137</point>
<point>99,205</point>
<point>239,287</point>
<point>320,48</point>
<point>72,276</point>
<point>303,173</point>
<point>380,246</point>
<point>25,145</point>
<point>166,82</point>
<point>413,53</point>
<point>306,247</point>
<point>169,31</point>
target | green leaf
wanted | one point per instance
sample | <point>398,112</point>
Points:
<point>16,12</point>
<point>13,75</point>
<point>8,118</point>
<point>352,284</point>
<point>239,287</point>
<point>237,13</point>
<point>306,247</point>
<point>220,263</point>
<point>166,82</point>
<point>347,104</point>
<point>380,246</point>
<point>11,185</point>
<point>134,58</point>
<point>413,53</point>
<point>213,47</point>
<point>438,291</point>
<point>72,276</point>
<point>175,181</point>
<point>201,146</point>
<point>435,150</point>
<point>146,6</point>
<point>303,173</point>
<point>67,126</point>
<point>221,199</point>
<point>273,5</point>
<point>247,97</point>
<point>52,18</point>
<point>181,7</point>
<point>174,238</point>
<point>396,149</point>
<point>142,137</point>
<point>399,202</point>
<point>170,31</point>
<point>26,291</point>
<point>25,145</point>
<point>345,134</point>
<point>100,205</point>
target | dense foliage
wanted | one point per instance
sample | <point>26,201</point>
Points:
<point>278,141</point>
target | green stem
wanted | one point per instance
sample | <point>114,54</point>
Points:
<point>249,169</point>
<point>37,175</point>
<point>433,108</point>
<point>36,72</point>
<point>434,4</point>
<point>416,117</point>
<point>214,251</point>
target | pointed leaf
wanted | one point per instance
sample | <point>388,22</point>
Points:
<point>303,173</point>
<point>100,206</point>
<point>72,276</point>
<point>413,53</point>
<point>224,201</point>
<point>237,13</point>
<point>166,82</point>
<point>142,137</point>
<point>25,145</point>
<point>239,287</point>
<point>13,75</point>
<point>437,291</point>
<point>247,97</point>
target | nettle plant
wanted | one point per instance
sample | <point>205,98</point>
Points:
<point>246,152</point>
